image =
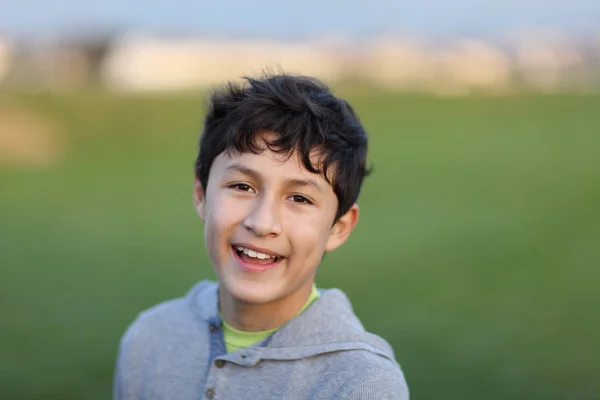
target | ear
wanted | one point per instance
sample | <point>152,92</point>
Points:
<point>199,199</point>
<point>342,229</point>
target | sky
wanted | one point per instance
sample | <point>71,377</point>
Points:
<point>282,18</point>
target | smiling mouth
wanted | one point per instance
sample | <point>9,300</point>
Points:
<point>254,257</point>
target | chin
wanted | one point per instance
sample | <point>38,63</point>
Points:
<point>251,292</point>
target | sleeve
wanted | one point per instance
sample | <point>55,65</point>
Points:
<point>119,382</point>
<point>381,384</point>
<point>124,383</point>
<point>118,378</point>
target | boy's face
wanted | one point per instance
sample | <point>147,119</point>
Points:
<point>268,203</point>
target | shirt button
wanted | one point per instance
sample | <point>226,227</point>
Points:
<point>210,393</point>
<point>219,363</point>
<point>213,328</point>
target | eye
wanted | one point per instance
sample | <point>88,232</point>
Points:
<point>242,187</point>
<point>297,198</point>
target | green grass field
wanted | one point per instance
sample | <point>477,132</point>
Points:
<point>477,254</point>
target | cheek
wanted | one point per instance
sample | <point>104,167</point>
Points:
<point>222,219</point>
<point>309,234</point>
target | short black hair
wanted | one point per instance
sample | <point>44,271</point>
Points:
<point>305,116</point>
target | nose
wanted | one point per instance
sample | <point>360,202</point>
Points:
<point>263,219</point>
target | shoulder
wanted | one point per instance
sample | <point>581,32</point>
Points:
<point>160,338</point>
<point>374,377</point>
<point>158,319</point>
<point>170,318</point>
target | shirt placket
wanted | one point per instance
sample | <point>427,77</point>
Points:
<point>217,350</point>
<point>216,382</point>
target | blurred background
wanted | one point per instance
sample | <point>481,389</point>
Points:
<point>478,248</point>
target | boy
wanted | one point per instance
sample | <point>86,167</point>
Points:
<point>279,170</point>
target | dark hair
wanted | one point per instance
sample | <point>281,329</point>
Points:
<point>306,117</point>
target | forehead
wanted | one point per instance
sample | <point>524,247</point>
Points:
<point>268,163</point>
<point>268,155</point>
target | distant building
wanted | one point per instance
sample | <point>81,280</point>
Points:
<point>472,65</point>
<point>530,61</point>
<point>138,63</point>
<point>549,61</point>
<point>398,64</point>
<point>6,58</point>
<point>58,64</point>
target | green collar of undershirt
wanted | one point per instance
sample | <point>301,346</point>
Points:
<point>236,339</point>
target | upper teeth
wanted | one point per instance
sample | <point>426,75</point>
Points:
<point>254,254</point>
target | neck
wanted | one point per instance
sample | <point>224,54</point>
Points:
<point>262,317</point>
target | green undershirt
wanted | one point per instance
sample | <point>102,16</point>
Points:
<point>236,339</point>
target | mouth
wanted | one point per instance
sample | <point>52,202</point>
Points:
<point>255,261</point>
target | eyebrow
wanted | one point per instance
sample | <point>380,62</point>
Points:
<point>303,182</point>
<point>243,170</point>
<point>236,167</point>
